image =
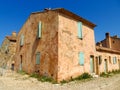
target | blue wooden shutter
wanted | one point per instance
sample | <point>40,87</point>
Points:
<point>81,58</point>
<point>39,30</point>
<point>21,40</point>
<point>38,58</point>
<point>80,30</point>
<point>115,60</point>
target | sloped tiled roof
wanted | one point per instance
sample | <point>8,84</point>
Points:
<point>70,14</point>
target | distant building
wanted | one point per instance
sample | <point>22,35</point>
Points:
<point>7,50</point>
<point>108,54</point>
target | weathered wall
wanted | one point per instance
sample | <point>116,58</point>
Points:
<point>115,43</point>
<point>8,49</point>
<point>47,45</point>
<point>109,58</point>
<point>111,42</point>
<point>70,45</point>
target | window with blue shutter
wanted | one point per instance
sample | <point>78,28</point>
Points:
<point>38,58</point>
<point>81,58</point>
<point>114,60</point>
<point>21,40</point>
<point>80,30</point>
<point>39,32</point>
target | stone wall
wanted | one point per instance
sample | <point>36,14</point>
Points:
<point>47,45</point>
<point>7,51</point>
<point>109,57</point>
<point>70,45</point>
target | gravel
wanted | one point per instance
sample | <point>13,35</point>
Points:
<point>14,81</point>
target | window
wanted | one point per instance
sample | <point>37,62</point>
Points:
<point>113,41</point>
<point>80,30</point>
<point>38,58</point>
<point>39,30</point>
<point>81,58</point>
<point>114,60</point>
<point>21,40</point>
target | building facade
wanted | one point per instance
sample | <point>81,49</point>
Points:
<point>55,43</point>
<point>60,44</point>
<point>108,54</point>
<point>8,50</point>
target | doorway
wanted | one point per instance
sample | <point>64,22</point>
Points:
<point>91,64</point>
<point>97,66</point>
<point>105,66</point>
<point>119,63</point>
<point>20,62</point>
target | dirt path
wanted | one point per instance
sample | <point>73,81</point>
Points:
<point>13,81</point>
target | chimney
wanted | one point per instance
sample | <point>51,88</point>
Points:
<point>107,34</point>
<point>14,34</point>
<point>108,40</point>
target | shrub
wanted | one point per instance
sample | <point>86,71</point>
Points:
<point>43,78</point>
<point>63,81</point>
<point>22,72</point>
<point>35,75</point>
<point>83,76</point>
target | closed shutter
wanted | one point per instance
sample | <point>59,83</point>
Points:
<point>21,40</point>
<point>80,30</point>
<point>39,30</point>
<point>81,58</point>
<point>38,58</point>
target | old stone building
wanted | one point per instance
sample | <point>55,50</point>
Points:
<point>60,44</point>
<point>55,43</point>
<point>8,50</point>
<point>108,54</point>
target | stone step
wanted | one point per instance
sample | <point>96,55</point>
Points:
<point>94,75</point>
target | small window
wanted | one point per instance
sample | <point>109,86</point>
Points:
<point>38,58</point>
<point>113,41</point>
<point>80,36</point>
<point>81,58</point>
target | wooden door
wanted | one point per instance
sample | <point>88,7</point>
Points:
<point>119,63</point>
<point>97,66</point>
<point>91,64</point>
<point>105,66</point>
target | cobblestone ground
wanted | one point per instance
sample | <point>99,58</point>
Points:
<point>14,81</point>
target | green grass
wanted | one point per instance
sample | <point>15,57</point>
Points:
<point>110,73</point>
<point>22,72</point>
<point>84,76</point>
<point>43,78</point>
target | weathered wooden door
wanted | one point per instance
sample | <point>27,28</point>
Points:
<point>119,63</point>
<point>91,64</point>
<point>97,66</point>
<point>105,66</point>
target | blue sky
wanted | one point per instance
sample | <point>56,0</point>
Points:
<point>104,13</point>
